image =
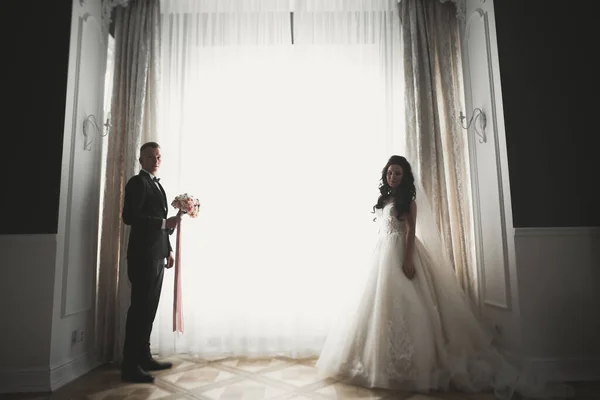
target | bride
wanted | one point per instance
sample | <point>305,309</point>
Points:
<point>414,329</point>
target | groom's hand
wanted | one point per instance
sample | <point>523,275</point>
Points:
<point>172,222</point>
<point>171,260</point>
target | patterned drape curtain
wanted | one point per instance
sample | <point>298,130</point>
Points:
<point>133,110</point>
<point>436,143</point>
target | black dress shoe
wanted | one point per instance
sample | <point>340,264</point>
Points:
<point>136,375</point>
<point>153,365</point>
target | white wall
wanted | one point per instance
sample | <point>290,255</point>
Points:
<point>540,286</point>
<point>490,179</point>
<point>559,280</point>
<point>77,238</point>
<point>50,292</point>
<point>26,309</point>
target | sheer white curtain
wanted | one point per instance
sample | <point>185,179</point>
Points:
<point>283,144</point>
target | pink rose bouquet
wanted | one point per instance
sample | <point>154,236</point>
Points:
<point>187,204</point>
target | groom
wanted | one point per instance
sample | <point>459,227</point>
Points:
<point>145,210</point>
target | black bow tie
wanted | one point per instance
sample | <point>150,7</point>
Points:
<point>155,179</point>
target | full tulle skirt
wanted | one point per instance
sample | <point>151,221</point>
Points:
<point>419,335</point>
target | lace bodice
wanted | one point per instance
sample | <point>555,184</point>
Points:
<point>388,222</point>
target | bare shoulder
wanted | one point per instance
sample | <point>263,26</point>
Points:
<point>413,207</point>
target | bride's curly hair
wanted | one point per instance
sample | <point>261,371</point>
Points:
<point>404,193</point>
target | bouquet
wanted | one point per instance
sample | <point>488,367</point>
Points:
<point>187,204</point>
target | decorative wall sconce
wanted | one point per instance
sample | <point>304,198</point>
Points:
<point>91,129</point>
<point>477,115</point>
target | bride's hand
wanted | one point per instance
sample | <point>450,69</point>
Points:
<point>409,270</point>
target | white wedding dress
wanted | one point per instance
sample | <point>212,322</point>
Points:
<point>416,335</point>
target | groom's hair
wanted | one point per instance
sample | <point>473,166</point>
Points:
<point>152,145</point>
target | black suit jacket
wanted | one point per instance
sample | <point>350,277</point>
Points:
<point>144,208</point>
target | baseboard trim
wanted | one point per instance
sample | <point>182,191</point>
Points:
<point>64,373</point>
<point>566,369</point>
<point>25,380</point>
<point>46,379</point>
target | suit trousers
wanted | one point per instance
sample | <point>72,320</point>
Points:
<point>146,278</point>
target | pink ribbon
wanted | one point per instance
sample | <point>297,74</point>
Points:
<point>177,303</point>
